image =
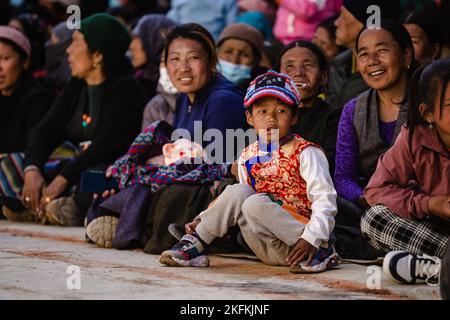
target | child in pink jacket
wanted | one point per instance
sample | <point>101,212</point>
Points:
<point>297,19</point>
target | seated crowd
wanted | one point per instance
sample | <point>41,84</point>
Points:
<point>340,144</point>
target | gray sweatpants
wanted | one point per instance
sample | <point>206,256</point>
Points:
<point>268,230</point>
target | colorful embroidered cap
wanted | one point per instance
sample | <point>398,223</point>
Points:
<point>273,84</point>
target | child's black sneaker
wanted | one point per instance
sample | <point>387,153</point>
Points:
<point>409,268</point>
<point>189,252</point>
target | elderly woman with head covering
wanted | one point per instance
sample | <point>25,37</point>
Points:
<point>100,110</point>
<point>146,49</point>
<point>240,49</point>
<point>23,103</point>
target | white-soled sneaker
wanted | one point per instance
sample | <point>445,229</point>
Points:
<point>189,252</point>
<point>405,267</point>
<point>102,230</point>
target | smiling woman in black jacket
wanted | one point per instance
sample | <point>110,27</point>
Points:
<point>99,110</point>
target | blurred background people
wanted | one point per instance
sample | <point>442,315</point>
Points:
<point>213,15</point>
<point>56,63</point>
<point>425,31</point>
<point>37,30</point>
<point>325,38</point>
<point>298,19</point>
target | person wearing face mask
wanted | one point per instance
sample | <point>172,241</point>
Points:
<point>146,49</point>
<point>239,50</point>
<point>161,106</point>
<point>56,64</point>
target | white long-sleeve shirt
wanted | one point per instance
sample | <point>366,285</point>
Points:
<point>319,190</point>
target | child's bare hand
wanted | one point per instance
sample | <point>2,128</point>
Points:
<point>302,251</point>
<point>440,206</point>
<point>190,227</point>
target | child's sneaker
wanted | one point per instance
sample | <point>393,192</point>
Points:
<point>325,258</point>
<point>409,268</point>
<point>189,252</point>
<point>176,230</point>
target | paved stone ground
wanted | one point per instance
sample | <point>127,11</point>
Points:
<point>34,260</point>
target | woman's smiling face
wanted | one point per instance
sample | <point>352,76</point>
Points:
<point>380,60</point>
<point>188,66</point>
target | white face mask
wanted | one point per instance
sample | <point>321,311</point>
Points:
<point>165,82</point>
<point>236,73</point>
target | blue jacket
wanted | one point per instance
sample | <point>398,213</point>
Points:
<point>219,105</point>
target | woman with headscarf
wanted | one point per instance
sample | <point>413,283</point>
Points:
<point>146,51</point>
<point>100,110</point>
<point>23,103</point>
<point>56,64</point>
<point>146,48</point>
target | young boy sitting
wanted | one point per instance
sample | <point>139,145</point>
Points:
<point>285,202</point>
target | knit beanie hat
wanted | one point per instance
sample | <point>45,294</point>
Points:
<point>16,37</point>
<point>390,9</point>
<point>245,32</point>
<point>273,84</point>
<point>105,34</point>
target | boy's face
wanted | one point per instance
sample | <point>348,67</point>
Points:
<point>271,118</point>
